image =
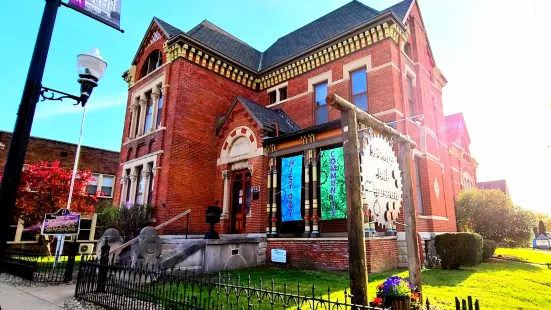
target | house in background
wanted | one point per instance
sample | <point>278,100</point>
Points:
<point>210,118</point>
<point>497,184</point>
<point>102,163</point>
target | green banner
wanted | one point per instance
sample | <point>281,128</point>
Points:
<point>332,186</point>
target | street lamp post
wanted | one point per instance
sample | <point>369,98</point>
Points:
<point>90,67</point>
<point>32,91</point>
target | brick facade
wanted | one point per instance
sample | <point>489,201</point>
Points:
<point>332,254</point>
<point>187,149</point>
<point>40,149</point>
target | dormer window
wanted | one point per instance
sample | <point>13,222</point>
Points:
<point>153,61</point>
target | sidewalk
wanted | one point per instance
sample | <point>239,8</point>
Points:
<point>36,298</point>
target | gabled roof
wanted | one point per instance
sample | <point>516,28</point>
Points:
<point>401,9</point>
<point>455,124</point>
<point>331,25</point>
<point>265,117</point>
<point>168,29</point>
<point>225,43</point>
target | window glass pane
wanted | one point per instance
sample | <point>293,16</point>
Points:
<point>272,97</point>
<point>321,93</point>
<point>83,234</point>
<point>159,109</point>
<point>149,115</point>
<point>12,231</point>
<point>92,186</point>
<point>322,115</point>
<point>139,190</point>
<point>409,86</point>
<point>360,101</point>
<point>108,181</point>
<point>359,81</point>
<point>283,93</point>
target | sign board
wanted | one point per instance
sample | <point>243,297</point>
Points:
<point>255,189</point>
<point>542,243</point>
<point>105,11</point>
<point>381,179</point>
<point>61,223</point>
<point>279,256</point>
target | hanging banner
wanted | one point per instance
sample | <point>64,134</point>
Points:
<point>105,11</point>
<point>381,180</point>
<point>332,187</point>
<point>291,188</point>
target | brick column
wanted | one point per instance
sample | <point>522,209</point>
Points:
<point>134,120</point>
<point>143,112</point>
<point>226,197</point>
<point>155,97</point>
<point>145,175</point>
<point>133,181</point>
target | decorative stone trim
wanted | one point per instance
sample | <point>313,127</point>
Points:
<point>338,50</point>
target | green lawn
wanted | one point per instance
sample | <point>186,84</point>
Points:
<point>526,254</point>
<point>497,284</point>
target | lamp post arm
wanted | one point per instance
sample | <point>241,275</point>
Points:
<point>50,94</point>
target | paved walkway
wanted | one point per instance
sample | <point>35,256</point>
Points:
<point>36,298</point>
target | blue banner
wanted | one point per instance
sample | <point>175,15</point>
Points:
<point>291,188</point>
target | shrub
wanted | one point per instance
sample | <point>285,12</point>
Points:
<point>488,249</point>
<point>459,249</point>
<point>128,221</point>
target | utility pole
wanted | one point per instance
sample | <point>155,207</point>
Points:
<point>23,124</point>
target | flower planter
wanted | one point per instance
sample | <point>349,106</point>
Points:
<point>398,302</point>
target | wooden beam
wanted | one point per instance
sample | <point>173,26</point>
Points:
<point>342,105</point>
<point>414,263</point>
<point>355,216</point>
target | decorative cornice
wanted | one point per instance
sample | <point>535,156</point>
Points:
<point>192,52</point>
<point>220,66</point>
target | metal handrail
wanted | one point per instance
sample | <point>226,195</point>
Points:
<point>124,245</point>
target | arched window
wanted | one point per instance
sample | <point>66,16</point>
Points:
<point>153,61</point>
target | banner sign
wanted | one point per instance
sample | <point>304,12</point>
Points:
<point>61,223</point>
<point>105,11</point>
<point>291,188</point>
<point>381,180</point>
<point>332,186</point>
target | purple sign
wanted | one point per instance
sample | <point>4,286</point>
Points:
<point>105,11</point>
<point>61,223</point>
<point>78,3</point>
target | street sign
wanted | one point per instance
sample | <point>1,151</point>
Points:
<point>105,11</point>
<point>61,223</point>
<point>279,256</point>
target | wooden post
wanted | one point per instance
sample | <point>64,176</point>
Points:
<point>355,216</point>
<point>414,264</point>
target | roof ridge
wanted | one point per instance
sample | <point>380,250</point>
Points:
<point>366,6</point>
<point>209,24</point>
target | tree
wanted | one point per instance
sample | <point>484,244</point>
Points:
<point>492,214</point>
<point>44,188</point>
<point>541,226</point>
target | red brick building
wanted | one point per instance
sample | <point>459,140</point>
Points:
<point>102,163</point>
<point>210,118</point>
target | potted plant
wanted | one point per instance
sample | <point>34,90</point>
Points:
<point>395,293</point>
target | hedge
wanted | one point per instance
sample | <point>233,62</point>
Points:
<point>488,249</point>
<point>459,249</point>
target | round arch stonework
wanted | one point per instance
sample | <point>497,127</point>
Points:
<point>240,144</point>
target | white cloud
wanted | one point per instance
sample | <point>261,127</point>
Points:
<point>48,109</point>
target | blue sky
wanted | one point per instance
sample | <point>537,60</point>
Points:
<point>491,52</point>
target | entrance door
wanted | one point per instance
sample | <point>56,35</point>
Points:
<point>241,200</point>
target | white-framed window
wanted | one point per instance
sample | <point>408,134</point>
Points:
<point>277,93</point>
<point>138,181</point>
<point>101,183</point>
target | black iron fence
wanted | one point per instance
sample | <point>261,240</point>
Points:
<point>40,267</point>
<point>466,304</point>
<point>120,286</point>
